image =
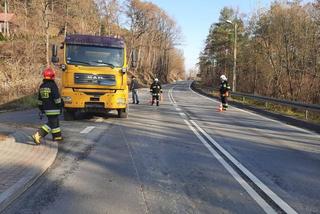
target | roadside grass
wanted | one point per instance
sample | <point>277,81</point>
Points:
<point>313,117</point>
<point>23,103</point>
<point>284,110</point>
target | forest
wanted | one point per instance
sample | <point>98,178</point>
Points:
<point>37,24</point>
<point>277,51</point>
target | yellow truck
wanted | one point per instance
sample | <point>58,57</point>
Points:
<point>94,75</point>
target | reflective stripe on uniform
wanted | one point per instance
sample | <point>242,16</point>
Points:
<point>57,101</point>
<point>46,128</point>
<point>52,112</point>
<point>39,102</point>
<point>57,138</point>
<point>56,130</point>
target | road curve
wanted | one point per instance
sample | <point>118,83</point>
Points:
<point>156,162</point>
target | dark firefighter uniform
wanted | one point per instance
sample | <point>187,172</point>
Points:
<point>224,93</point>
<point>50,104</point>
<point>155,90</point>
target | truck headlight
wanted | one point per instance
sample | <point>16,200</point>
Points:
<point>67,99</point>
<point>121,101</point>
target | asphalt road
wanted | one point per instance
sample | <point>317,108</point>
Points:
<point>158,161</point>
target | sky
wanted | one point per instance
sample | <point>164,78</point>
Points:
<point>194,17</point>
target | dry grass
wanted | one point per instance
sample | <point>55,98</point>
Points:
<point>21,62</point>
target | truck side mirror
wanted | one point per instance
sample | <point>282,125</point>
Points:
<point>133,58</point>
<point>54,56</point>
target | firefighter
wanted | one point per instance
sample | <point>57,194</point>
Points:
<point>224,92</point>
<point>155,90</point>
<point>50,104</point>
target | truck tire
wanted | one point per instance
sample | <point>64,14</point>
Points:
<point>123,113</point>
<point>69,115</point>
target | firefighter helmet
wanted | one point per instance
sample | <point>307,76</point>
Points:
<point>223,77</point>
<point>48,74</point>
<point>156,79</point>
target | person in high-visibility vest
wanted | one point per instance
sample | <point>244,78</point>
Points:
<point>224,92</point>
<point>156,91</point>
<point>50,104</point>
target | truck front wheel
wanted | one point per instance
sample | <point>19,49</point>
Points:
<point>69,115</point>
<point>123,113</point>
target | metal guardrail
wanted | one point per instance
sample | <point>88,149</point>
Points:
<point>304,106</point>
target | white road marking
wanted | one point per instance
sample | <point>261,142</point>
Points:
<point>171,97</point>
<point>183,115</point>
<point>282,204</point>
<point>178,109</point>
<point>262,203</point>
<point>87,130</point>
<point>99,120</point>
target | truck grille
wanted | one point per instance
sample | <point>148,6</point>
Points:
<point>93,79</point>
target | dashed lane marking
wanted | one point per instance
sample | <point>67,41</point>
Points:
<point>87,130</point>
<point>99,120</point>
<point>183,115</point>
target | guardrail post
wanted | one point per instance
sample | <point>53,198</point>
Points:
<point>266,105</point>
<point>306,114</point>
<point>243,99</point>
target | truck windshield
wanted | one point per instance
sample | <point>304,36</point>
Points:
<point>94,56</point>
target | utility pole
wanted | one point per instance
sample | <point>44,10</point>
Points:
<point>234,79</point>
<point>47,25</point>
<point>26,14</point>
<point>66,21</point>
<point>234,70</point>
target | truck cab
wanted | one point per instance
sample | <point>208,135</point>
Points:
<point>94,75</point>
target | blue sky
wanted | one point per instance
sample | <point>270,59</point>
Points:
<point>195,17</point>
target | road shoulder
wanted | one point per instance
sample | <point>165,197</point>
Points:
<point>272,115</point>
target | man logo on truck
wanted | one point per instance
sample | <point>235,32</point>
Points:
<point>95,78</point>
